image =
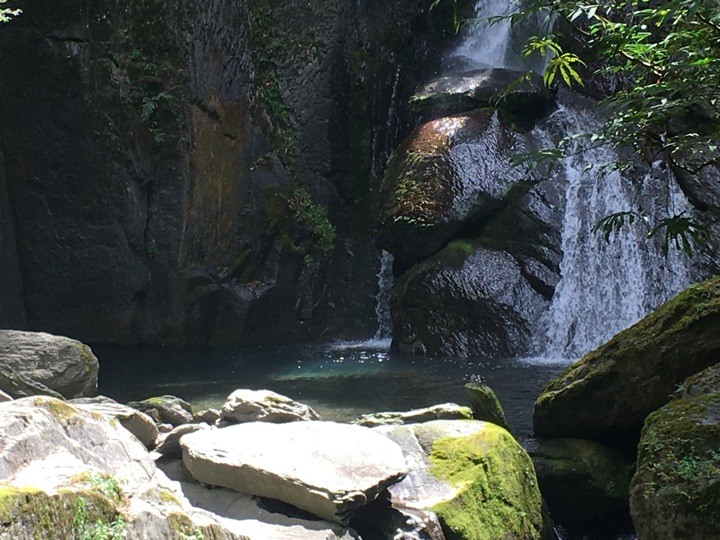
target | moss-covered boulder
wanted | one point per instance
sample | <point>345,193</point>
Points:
<point>485,404</point>
<point>468,300</point>
<point>585,485</point>
<point>675,493</point>
<point>445,174</point>
<point>472,476</point>
<point>607,395</point>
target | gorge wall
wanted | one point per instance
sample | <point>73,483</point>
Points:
<point>163,162</point>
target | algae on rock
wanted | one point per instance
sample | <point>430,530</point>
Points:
<point>607,395</point>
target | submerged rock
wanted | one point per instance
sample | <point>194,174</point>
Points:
<point>264,406</point>
<point>169,409</point>
<point>676,490</point>
<point>136,422</point>
<point>514,91</point>
<point>472,475</point>
<point>607,395</point>
<point>467,300</point>
<point>35,363</point>
<point>445,411</point>
<point>585,484</point>
<point>327,469</point>
<point>485,404</point>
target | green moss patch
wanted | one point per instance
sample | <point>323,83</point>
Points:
<point>497,493</point>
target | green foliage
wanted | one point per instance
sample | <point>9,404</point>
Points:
<point>103,484</point>
<point>99,530</point>
<point>194,535</point>
<point>6,14</point>
<point>266,48</point>
<point>312,219</point>
<point>668,56</point>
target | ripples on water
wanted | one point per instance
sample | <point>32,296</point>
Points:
<point>340,380</point>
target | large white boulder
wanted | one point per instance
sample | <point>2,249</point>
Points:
<point>325,468</point>
<point>264,406</point>
<point>33,363</point>
<point>63,468</point>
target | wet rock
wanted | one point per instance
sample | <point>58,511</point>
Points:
<point>445,411</point>
<point>485,404</point>
<point>607,395</point>
<point>472,475</point>
<point>55,455</point>
<point>520,93</point>
<point>327,469</point>
<point>467,300</point>
<point>446,174</point>
<point>137,423</point>
<point>674,493</point>
<point>264,406</point>
<point>170,409</point>
<point>34,362</point>
<point>585,485</point>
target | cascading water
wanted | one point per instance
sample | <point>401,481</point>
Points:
<point>382,307</point>
<point>606,287</point>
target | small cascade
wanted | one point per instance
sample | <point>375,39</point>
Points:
<point>382,307</point>
<point>606,287</point>
<point>492,44</point>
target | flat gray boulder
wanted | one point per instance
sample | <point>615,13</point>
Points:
<point>264,406</point>
<point>325,468</point>
<point>169,444</point>
<point>444,411</point>
<point>34,363</point>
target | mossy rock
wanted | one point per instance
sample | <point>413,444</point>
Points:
<point>485,404</point>
<point>607,395</point>
<point>473,476</point>
<point>498,496</point>
<point>585,485</point>
<point>31,513</point>
<point>675,493</point>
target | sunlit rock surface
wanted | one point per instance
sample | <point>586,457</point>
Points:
<point>472,476</point>
<point>264,406</point>
<point>327,469</point>
<point>32,363</point>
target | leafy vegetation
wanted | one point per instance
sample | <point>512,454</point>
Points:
<point>312,219</point>
<point>6,14</point>
<point>667,57</point>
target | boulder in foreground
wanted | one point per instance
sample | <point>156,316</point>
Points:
<point>472,475</point>
<point>33,362</point>
<point>676,490</point>
<point>607,395</point>
<point>327,469</point>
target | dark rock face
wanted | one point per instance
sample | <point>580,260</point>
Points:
<point>674,493</point>
<point>607,394</point>
<point>519,93</point>
<point>585,485</point>
<point>150,147</point>
<point>467,300</point>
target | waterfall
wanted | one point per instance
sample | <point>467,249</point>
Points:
<point>493,45</point>
<point>382,306</point>
<point>606,287</point>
